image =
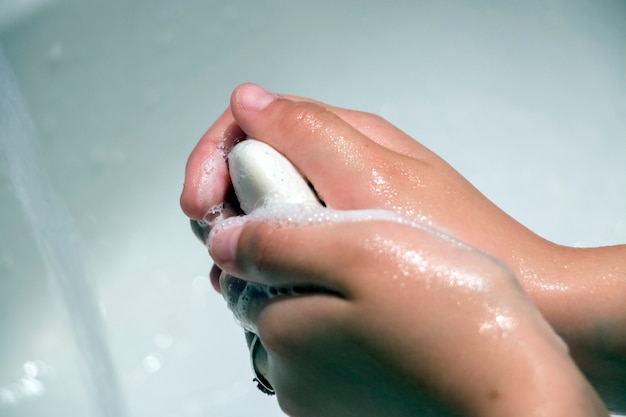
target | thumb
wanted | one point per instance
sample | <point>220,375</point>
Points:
<point>281,250</point>
<point>290,244</point>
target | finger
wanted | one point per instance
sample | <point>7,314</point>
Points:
<point>271,253</point>
<point>305,257</point>
<point>374,127</point>
<point>206,175</point>
<point>344,252</point>
<point>318,142</point>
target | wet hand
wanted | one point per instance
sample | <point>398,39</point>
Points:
<point>365,315</point>
<point>357,160</point>
<point>354,160</point>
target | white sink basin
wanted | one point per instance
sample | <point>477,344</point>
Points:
<point>526,100</point>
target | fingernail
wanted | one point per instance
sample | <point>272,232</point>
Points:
<point>254,97</point>
<point>223,241</point>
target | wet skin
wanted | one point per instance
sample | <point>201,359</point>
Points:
<point>388,339</point>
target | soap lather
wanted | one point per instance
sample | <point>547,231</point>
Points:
<point>259,173</point>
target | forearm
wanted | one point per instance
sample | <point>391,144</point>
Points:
<point>588,305</point>
<point>541,380</point>
<point>581,293</point>
<point>590,314</point>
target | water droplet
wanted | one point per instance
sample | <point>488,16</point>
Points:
<point>31,370</point>
<point>32,387</point>
<point>34,369</point>
<point>151,364</point>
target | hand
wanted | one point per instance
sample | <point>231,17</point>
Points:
<point>357,160</point>
<point>393,319</point>
<point>373,165</point>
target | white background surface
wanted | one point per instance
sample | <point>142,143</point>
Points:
<point>527,99</point>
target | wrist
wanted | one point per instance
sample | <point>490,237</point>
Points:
<point>534,376</point>
<point>582,297</point>
<point>578,290</point>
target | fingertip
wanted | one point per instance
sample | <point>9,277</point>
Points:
<point>188,204</point>
<point>223,243</point>
<point>251,97</point>
<point>206,174</point>
<point>206,184</point>
<point>214,275</point>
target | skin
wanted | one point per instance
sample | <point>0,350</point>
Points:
<point>343,351</point>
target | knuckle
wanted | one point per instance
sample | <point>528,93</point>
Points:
<point>302,117</point>
<point>374,118</point>
<point>256,248</point>
<point>275,338</point>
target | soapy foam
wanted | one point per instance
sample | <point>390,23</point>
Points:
<point>208,177</point>
<point>300,215</point>
<point>252,291</point>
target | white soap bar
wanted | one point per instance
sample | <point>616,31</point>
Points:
<point>260,173</point>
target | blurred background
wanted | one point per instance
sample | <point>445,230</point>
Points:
<point>105,304</point>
